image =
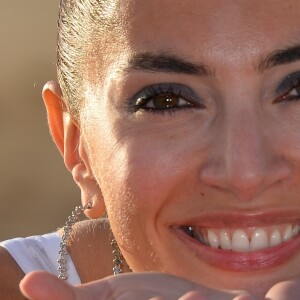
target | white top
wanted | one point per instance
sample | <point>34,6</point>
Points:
<point>40,253</point>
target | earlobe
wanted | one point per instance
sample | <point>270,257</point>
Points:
<point>67,137</point>
<point>90,189</point>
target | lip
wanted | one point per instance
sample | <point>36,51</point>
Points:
<point>243,219</point>
<point>242,262</point>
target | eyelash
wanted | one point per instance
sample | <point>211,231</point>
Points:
<point>167,92</point>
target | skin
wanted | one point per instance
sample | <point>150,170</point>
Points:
<point>237,155</point>
<point>10,276</point>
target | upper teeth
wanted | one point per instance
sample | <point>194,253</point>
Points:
<point>246,240</point>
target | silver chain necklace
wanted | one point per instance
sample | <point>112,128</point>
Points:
<point>63,252</point>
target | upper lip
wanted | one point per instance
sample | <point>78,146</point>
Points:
<point>243,219</point>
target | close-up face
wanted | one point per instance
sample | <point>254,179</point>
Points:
<point>192,132</point>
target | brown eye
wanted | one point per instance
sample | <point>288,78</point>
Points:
<point>166,101</point>
<point>166,97</point>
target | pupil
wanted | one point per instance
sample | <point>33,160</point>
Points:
<point>166,101</point>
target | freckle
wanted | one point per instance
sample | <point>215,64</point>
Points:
<point>202,194</point>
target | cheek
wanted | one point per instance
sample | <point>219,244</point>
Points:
<point>139,178</point>
<point>140,175</point>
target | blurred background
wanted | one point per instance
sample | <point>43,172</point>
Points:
<point>36,192</point>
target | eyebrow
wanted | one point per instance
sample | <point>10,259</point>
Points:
<point>280,57</point>
<point>167,63</point>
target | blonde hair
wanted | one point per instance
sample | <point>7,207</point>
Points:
<point>80,23</point>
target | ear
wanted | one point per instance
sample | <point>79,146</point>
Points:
<point>70,143</point>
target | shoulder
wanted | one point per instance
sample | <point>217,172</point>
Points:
<point>90,249</point>
<point>10,276</point>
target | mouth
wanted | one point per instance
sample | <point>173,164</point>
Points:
<point>243,240</point>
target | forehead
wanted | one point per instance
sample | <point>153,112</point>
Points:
<point>227,29</point>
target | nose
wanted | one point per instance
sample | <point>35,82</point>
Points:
<point>245,158</point>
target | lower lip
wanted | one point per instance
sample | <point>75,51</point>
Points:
<point>242,262</point>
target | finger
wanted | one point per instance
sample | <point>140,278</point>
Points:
<point>41,285</point>
<point>193,295</point>
<point>245,297</point>
<point>285,290</point>
<point>230,295</point>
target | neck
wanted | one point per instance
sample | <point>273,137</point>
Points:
<point>90,249</point>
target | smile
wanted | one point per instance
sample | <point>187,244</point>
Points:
<point>243,240</point>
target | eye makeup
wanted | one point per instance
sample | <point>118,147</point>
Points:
<point>165,97</point>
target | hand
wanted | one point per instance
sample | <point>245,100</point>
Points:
<point>141,286</point>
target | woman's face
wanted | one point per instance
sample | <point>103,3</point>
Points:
<point>193,134</point>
